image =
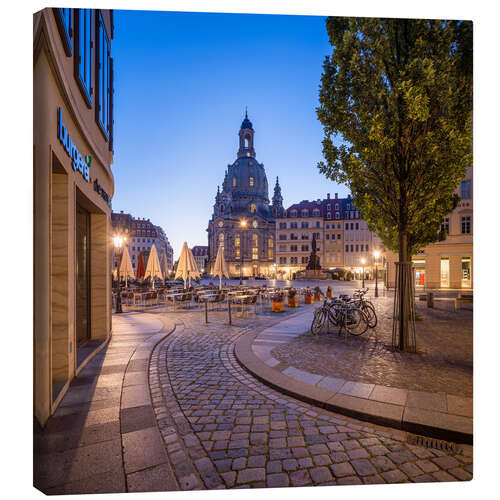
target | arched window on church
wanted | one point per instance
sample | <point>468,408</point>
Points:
<point>237,246</point>
<point>221,239</point>
<point>251,181</point>
<point>253,208</point>
<point>234,181</point>
<point>246,142</point>
<point>255,247</point>
<point>270,248</point>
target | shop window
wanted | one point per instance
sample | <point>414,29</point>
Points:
<point>84,41</point>
<point>445,272</point>
<point>103,78</point>
<point>466,272</point>
<point>64,20</point>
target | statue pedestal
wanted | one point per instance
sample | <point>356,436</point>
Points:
<point>313,274</point>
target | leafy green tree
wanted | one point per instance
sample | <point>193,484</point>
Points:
<point>396,106</point>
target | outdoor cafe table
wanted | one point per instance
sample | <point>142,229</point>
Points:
<point>239,300</point>
<point>175,294</point>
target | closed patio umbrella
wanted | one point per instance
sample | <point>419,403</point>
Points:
<point>140,267</point>
<point>194,272</point>
<point>220,267</point>
<point>126,268</point>
<point>153,268</point>
<point>184,265</point>
<point>163,264</point>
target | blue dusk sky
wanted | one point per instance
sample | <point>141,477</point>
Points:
<point>182,81</point>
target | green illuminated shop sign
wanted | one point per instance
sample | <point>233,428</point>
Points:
<point>79,163</point>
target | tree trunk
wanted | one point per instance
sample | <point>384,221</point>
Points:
<point>404,298</point>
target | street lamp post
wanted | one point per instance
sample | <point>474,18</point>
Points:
<point>118,242</point>
<point>363,262</point>
<point>243,225</point>
<point>376,254</point>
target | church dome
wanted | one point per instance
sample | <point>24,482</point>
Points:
<point>247,177</point>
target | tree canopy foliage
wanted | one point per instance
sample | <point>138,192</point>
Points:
<point>396,106</point>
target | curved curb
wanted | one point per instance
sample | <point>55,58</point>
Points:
<point>392,415</point>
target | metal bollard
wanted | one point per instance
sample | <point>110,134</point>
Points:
<point>430,299</point>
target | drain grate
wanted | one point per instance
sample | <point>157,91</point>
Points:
<point>427,442</point>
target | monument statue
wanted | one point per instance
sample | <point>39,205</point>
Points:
<point>313,263</point>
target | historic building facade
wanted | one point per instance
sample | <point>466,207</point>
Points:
<point>200,254</point>
<point>342,237</point>
<point>243,220</point>
<point>141,235</point>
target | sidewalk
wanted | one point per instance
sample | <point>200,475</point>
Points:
<point>103,438</point>
<point>433,414</point>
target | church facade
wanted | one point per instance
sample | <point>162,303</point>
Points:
<point>243,219</point>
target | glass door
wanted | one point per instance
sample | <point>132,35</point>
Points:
<point>445,272</point>
<point>82,275</point>
<point>466,272</point>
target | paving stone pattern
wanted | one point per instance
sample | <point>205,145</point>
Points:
<point>443,363</point>
<point>224,429</point>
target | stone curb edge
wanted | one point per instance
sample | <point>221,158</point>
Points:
<point>151,344</point>
<point>386,414</point>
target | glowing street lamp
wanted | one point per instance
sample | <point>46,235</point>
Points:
<point>118,242</point>
<point>363,262</point>
<point>376,254</point>
<point>243,225</point>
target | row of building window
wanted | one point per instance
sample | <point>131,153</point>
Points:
<point>294,248</point>
<point>303,225</point>
<point>294,260</point>
<point>333,236</point>
<point>359,248</point>
<point>465,223</point>
<point>305,236</point>
<point>78,28</point>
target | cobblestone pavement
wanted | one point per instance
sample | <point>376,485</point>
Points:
<point>224,429</point>
<point>443,362</point>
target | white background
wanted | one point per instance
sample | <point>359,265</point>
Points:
<point>16,250</point>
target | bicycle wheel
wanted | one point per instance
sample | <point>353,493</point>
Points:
<point>355,321</point>
<point>318,320</point>
<point>370,313</point>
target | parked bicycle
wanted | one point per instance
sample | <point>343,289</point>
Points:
<point>365,305</point>
<point>345,314</point>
